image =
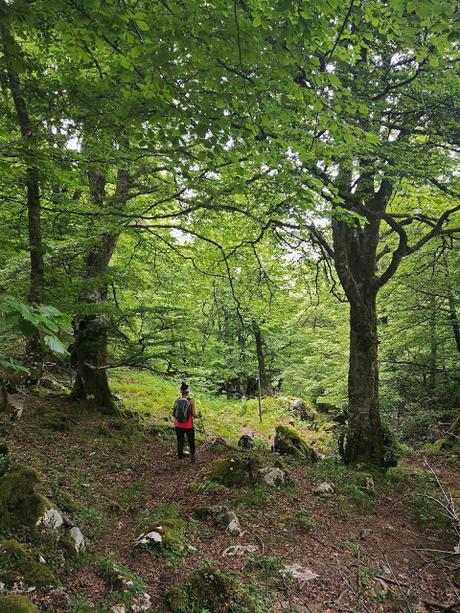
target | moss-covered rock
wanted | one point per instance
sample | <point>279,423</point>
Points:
<point>20,505</point>
<point>53,419</point>
<point>209,589</point>
<point>233,471</point>
<point>289,442</point>
<point>17,565</point>
<point>15,603</point>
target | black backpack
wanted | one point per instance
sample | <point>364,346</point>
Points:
<point>182,410</point>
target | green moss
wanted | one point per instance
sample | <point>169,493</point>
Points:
<point>442,444</point>
<point>18,565</point>
<point>20,505</point>
<point>233,471</point>
<point>175,527</point>
<point>53,419</point>
<point>210,589</point>
<point>67,544</point>
<point>16,603</point>
<point>287,441</point>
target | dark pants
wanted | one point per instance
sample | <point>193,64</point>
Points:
<point>181,433</point>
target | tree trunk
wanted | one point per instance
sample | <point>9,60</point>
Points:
<point>263,375</point>
<point>34,349</point>
<point>90,345</point>
<point>91,331</point>
<point>355,259</point>
<point>365,438</point>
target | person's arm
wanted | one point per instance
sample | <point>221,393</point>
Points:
<point>194,413</point>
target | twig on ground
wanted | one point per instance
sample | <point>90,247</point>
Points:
<point>437,605</point>
<point>397,581</point>
<point>350,585</point>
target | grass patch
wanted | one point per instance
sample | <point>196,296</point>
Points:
<point>154,397</point>
<point>266,566</point>
<point>176,528</point>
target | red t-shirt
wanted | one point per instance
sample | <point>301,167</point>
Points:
<point>189,422</point>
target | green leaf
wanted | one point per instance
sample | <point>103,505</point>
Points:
<point>423,9</point>
<point>54,344</point>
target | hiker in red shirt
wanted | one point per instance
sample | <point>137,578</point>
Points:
<point>184,412</point>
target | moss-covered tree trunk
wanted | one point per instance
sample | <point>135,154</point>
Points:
<point>91,329</point>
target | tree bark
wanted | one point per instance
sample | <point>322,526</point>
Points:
<point>32,181</point>
<point>355,259</point>
<point>365,437</point>
<point>89,352</point>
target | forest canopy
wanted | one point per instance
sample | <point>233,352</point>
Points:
<point>243,194</point>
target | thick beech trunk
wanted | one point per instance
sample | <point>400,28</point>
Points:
<point>90,346</point>
<point>365,439</point>
<point>91,331</point>
<point>355,259</point>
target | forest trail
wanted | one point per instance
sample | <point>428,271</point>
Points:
<point>363,548</point>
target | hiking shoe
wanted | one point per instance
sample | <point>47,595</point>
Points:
<point>192,459</point>
<point>180,463</point>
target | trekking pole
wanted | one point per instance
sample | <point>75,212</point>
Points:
<point>203,429</point>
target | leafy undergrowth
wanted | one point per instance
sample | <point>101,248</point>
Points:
<point>116,479</point>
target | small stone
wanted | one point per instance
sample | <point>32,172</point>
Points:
<point>51,520</point>
<point>239,550</point>
<point>324,488</point>
<point>274,476</point>
<point>118,608</point>
<point>370,485</point>
<point>234,528</point>
<point>141,603</point>
<point>78,539</point>
<point>151,538</point>
<point>298,572</point>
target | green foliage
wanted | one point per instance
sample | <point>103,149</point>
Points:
<point>79,603</point>
<point>267,566</point>
<point>121,579</point>
<point>47,321</point>
<point>253,497</point>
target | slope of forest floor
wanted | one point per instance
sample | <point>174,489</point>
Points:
<point>369,549</point>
